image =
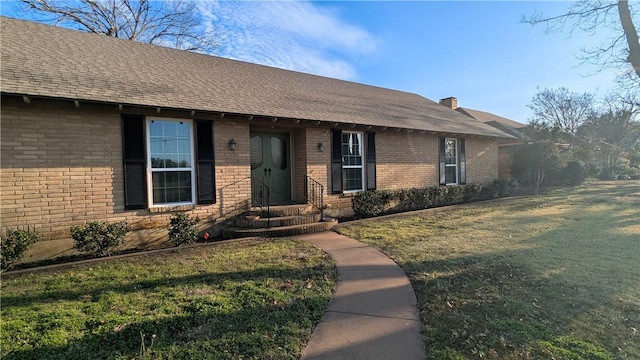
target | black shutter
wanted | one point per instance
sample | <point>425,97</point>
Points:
<point>443,178</point>
<point>205,162</point>
<point>371,161</point>
<point>462,164</point>
<point>134,161</point>
<point>336,161</point>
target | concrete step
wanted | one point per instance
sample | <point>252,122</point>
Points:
<point>284,210</point>
<point>280,231</point>
<point>254,222</point>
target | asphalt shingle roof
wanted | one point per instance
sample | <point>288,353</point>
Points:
<point>43,60</point>
<point>507,125</point>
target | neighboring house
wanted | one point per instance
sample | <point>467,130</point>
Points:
<point>505,146</point>
<point>98,128</point>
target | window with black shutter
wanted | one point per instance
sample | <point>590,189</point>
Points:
<point>178,155</point>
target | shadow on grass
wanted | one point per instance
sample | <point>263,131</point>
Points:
<point>568,291</point>
<point>488,306</point>
<point>255,331</point>
<point>209,279</point>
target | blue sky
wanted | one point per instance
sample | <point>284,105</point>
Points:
<point>476,51</point>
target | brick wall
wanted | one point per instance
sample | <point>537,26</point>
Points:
<point>62,165</point>
<point>299,163</point>
<point>407,160</point>
<point>505,160</point>
<point>482,159</point>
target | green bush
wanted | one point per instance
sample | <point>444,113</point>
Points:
<point>370,203</point>
<point>98,237</point>
<point>499,188</point>
<point>182,229</point>
<point>575,173</point>
<point>15,244</point>
<point>471,192</point>
<point>377,202</point>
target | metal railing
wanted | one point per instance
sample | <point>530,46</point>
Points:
<point>260,193</point>
<point>314,194</point>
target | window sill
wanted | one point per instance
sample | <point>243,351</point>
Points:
<point>170,208</point>
<point>350,193</point>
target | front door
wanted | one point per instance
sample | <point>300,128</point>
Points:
<point>270,163</point>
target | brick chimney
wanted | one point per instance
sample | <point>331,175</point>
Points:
<point>450,102</point>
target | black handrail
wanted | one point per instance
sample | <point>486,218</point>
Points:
<point>314,194</point>
<point>260,193</point>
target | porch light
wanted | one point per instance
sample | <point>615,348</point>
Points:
<point>232,144</point>
<point>320,147</point>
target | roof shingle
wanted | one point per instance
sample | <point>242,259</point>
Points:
<point>42,60</point>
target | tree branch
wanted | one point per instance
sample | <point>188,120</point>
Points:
<point>631,35</point>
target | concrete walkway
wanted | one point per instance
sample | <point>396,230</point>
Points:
<point>373,313</point>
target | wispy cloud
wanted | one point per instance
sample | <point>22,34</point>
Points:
<point>294,35</point>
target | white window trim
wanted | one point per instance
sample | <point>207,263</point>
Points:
<point>150,170</point>
<point>361,166</point>
<point>456,165</point>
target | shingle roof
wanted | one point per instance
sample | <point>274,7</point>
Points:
<point>42,60</point>
<point>507,125</point>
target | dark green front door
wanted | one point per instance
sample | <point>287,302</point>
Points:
<point>270,163</point>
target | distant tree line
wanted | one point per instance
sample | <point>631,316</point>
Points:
<point>575,135</point>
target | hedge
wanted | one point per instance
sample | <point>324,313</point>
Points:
<point>372,203</point>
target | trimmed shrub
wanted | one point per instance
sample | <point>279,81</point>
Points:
<point>499,188</point>
<point>98,237</point>
<point>471,192</point>
<point>371,203</point>
<point>377,202</point>
<point>182,229</point>
<point>15,244</point>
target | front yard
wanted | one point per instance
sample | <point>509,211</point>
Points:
<point>239,300</point>
<point>554,276</point>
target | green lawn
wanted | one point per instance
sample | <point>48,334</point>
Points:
<point>554,276</point>
<point>259,299</point>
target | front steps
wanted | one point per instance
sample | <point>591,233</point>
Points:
<point>285,220</point>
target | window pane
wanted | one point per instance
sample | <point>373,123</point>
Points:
<point>450,174</point>
<point>352,179</point>
<point>171,186</point>
<point>351,149</point>
<point>351,144</point>
<point>450,151</point>
<point>278,153</point>
<point>170,144</point>
<point>255,147</point>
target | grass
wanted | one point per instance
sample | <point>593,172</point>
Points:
<point>555,276</point>
<point>257,300</point>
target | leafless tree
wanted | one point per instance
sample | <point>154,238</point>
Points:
<point>562,109</point>
<point>172,23</point>
<point>590,16</point>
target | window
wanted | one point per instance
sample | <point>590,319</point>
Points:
<point>353,161</point>
<point>452,161</point>
<point>352,164</point>
<point>167,162</point>
<point>170,149</point>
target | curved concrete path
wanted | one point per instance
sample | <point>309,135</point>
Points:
<point>373,313</point>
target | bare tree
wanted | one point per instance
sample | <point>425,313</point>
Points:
<point>591,15</point>
<point>562,110</point>
<point>168,23</point>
